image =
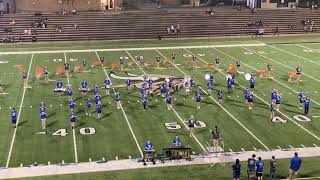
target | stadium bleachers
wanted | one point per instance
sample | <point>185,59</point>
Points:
<point>152,23</point>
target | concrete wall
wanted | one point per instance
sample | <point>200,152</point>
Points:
<point>54,6</point>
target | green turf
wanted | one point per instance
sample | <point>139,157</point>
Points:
<point>203,172</point>
<point>123,133</point>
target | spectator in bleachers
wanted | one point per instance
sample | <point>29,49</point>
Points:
<point>58,28</point>
<point>13,22</point>
<point>74,12</point>
<point>25,31</point>
<point>29,31</point>
<point>276,31</point>
<point>75,26</point>
<point>311,25</point>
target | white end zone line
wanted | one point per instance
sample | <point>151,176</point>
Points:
<point>124,113</point>
<point>19,115</point>
<point>316,137</point>
<point>258,71</point>
<point>171,108</point>
<point>279,63</point>
<point>73,130</point>
<point>294,55</point>
<point>254,136</point>
<point>128,49</point>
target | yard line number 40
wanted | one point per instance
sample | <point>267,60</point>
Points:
<point>83,131</point>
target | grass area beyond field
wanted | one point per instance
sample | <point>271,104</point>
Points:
<point>310,168</point>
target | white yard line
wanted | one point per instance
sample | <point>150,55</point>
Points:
<point>294,55</point>
<point>19,115</point>
<point>303,46</point>
<point>124,113</point>
<point>171,107</point>
<point>293,121</point>
<point>280,63</point>
<point>258,71</point>
<point>129,49</point>
<point>73,130</point>
<point>224,109</point>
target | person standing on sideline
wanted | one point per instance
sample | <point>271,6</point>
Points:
<point>215,138</point>
<point>272,175</point>
<point>259,168</point>
<point>295,165</point>
<point>236,168</point>
<point>251,167</point>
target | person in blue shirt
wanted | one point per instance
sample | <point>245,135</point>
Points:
<point>95,91</point>
<point>259,168</point>
<point>246,93</point>
<point>164,87</point>
<point>250,99</point>
<point>210,86</point>
<point>128,85</point>
<point>220,96</point>
<point>198,98</point>
<point>143,91</point>
<point>158,60</point>
<point>43,118</point>
<point>144,100</point>
<point>72,104</point>
<point>150,84</point>
<point>295,165</point>
<point>42,106</point>
<point>236,170</point>
<point>171,84</point>
<point>69,91</point>
<point>168,97</point>
<point>14,116</point>
<point>272,109</point>
<point>72,118</point>
<point>59,87</point>
<point>88,107</point>
<point>301,98</point>
<point>252,82</point>
<point>278,101</point>
<point>97,98</point>
<point>107,85</point>
<point>229,84</point>
<point>176,141</point>
<point>99,109</point>
<point>84,86</point>
<point>149,153</point>
<point>274,95</point>
<point>148,146</point>
<point>306,105</point>
<point>117,97</point>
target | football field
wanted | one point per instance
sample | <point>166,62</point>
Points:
<point>122,132</point>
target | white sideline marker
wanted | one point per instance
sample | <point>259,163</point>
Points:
<point>279,147</point>
<point>21,165</point>
<point>129,157</point>
<point>314,145</point>
<point>291,147</point>
<point>49,162</point>
<point>303,145</point>
<point>117,158</point>
<point>19,115</point>
<point>254,148</point>
<point>242,149</point>
<point>90,160</point>
<point>124,113</point>
<point>230,150</point>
